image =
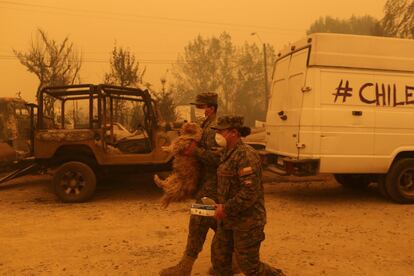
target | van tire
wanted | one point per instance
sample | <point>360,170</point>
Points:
<point>382,187</point>
<point>399,181</point>
<point>74,182</point>
<point>352,181</point>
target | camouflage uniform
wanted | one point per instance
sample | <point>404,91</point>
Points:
<point>240,189</point>
<point>199,226</point>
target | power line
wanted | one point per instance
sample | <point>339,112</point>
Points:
<point>143,61</point>
<point>98,52</point>
<point>118,19</point>
<point>185,20</point>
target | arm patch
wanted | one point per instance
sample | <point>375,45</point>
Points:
<point>248,182</point>
<point>246,171</point>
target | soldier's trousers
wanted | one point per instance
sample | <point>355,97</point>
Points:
<point>197,233</point>
<point>246,245</point>
<point>199,226</point>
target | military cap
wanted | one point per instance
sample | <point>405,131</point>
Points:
<point>228,121</point>
<point>208,98</point>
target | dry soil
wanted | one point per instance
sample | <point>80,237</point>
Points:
<point>315,227</point>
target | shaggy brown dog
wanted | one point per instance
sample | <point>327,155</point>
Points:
<point>182,182</point>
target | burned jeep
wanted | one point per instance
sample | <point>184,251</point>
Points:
<point>86,131</point>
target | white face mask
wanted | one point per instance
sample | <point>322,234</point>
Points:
<point>220,140</point>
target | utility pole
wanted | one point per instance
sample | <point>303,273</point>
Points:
<point>266,84</point>
<point>265,77</point>
<point>164,81</point>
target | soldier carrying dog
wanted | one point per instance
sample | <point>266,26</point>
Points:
<point>199,226</point>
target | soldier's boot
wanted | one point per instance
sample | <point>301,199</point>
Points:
<point>183,268</point>
<point>234,266</point>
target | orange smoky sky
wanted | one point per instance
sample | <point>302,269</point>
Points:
<point>155,31</point>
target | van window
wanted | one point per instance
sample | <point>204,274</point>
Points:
<point>297,70</point>
<point>279,82</point>
<point>288,80</point>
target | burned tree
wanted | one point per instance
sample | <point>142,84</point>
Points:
<point>53,62</point>
<point>124,71</point>
<point>166,103</point>
<point>398,20</point>
<point>359,25</point>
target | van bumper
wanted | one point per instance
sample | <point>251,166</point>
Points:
<point>283,165</point>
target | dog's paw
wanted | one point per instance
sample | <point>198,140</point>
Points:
<point>166,148</point>
<point>158,181</point>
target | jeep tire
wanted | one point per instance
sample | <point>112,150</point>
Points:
<point>74,182</point>
<point>399,181</point>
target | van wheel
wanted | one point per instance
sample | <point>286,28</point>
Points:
<point>74,182</point>
<point>399,181</point>
<point>382,188</point>
<point>352,181</point>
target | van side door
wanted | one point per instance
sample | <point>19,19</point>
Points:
<point>346,121</point>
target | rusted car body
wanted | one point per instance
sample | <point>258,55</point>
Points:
<point>14,130</point>
<point>84,132</point>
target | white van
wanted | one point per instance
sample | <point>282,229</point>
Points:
<point>344,104</point>
<point>185,112</point>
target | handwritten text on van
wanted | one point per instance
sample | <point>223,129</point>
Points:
<point>380,94</point>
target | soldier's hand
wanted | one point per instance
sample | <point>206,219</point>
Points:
<point>219,214</point>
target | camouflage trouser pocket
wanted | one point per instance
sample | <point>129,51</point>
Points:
<point>249,238</point>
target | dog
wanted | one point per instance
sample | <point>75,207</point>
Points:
<point>182,182</point>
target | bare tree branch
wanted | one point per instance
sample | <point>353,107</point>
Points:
<point>53,63</point>
<point>398,20</point>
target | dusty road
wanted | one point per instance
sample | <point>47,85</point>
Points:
<point>315,227</point>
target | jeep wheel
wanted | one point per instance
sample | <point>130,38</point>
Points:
<point>399,181</point>
<point>74,182</point>
<point>352,181</point>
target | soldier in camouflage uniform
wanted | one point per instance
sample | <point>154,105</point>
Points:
<point>199,226</point>
<point>241,209</point>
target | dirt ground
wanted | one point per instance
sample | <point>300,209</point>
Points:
<point>315,227</point>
